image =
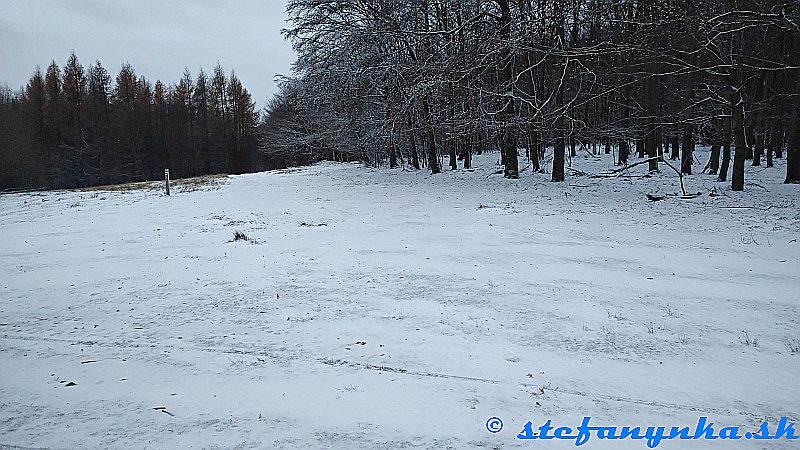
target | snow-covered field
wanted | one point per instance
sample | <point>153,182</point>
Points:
<point>394,309</point>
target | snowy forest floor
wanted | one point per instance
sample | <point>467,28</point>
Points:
<point>377,308</point>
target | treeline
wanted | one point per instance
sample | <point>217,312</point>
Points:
<point>413,81</point>
<point>76,127</point>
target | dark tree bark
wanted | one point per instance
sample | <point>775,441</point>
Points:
<point>468,152</point>
<point>687,150</point>
<point>740,140</point>
<point>651,146</point>
<point>534,149</point>
<point>713,165</point>
<point>452,153</point>
<point>768,149</point>
<point>676,143</point>
<point>775,142</point>
<point>660,143</point>
<point>392,156</point>
<point>508,152</point>
<point>430,141</point>
<point>758,150</point>
<point>750,134</point>
<point>793,152</point>
<point>508,139</point>
<point>412,139</point>
<point>624,152</point>
<point>726,147</point>
<point>391,149</point>
<point>559,144</point>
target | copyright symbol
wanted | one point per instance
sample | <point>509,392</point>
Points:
<point>494,425</point>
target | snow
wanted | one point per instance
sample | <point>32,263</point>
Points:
<point>403,313</point>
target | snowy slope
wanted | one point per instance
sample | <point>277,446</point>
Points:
<point>394,309</point>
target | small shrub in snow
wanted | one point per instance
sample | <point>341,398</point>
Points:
<point>617,315</point>
<point>348,388</point>
<point>793,345</point>
<point>670,310</point>
<point>748,240</point>
<point>746,339</point>
<point>240,236</point>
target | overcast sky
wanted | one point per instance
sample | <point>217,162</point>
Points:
<point>158,37</point>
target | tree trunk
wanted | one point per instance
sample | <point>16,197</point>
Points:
<point>508,140</point>
<point>392,156</point>
<point>412,139</point>
<point>651,147</point>
<point>534,148</point>
<point>559,144</point>
<point>687,150</point>
<point>433,160</point>
<point>624,152</point>
<point>676,143</point>
<point>714,163</point>
<point>793,152</point>
<point>400,155</point>
<point>726,146</point>
<point>751,139</point>
<point>740,140</point>
<point>779,142</point>
<point>774,144</point>
<point>452,153</point>
<point>758,150</point>
<point>769,156</point>
<point>660,143</point>
<point>468,152</point>
<point>508,151</point>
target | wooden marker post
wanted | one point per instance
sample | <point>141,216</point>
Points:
<point>166,181</point>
